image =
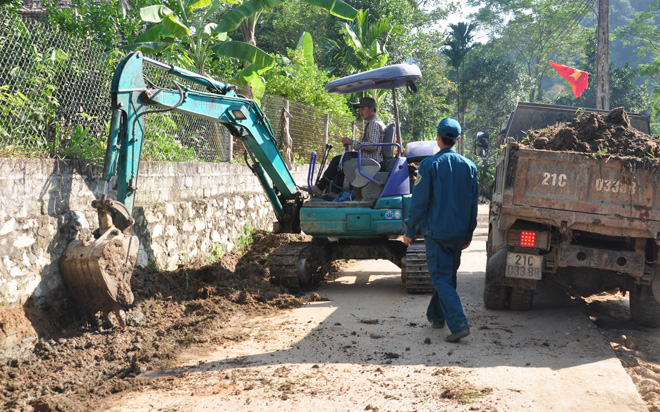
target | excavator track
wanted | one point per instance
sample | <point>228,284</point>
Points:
<point>292,265</point>
<point>414,272</point>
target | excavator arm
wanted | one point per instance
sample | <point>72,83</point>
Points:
<point>98,273</point>
<point>132,99</point>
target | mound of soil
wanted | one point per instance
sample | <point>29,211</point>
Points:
<point>81,361</point>
<point>609,134</point>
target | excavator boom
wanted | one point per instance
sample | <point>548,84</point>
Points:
<point>98,273</point>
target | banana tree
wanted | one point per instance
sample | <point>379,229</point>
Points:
<point>363,48</point>
<point>190,38</point>
<point>247,14</point>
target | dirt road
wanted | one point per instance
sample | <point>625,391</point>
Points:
<point>367,346</point>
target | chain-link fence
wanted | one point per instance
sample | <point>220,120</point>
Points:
<point>55,102</point>
<point>53,91</point>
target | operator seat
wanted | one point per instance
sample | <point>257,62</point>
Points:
<point>371,167</point>
<point>388,151</point>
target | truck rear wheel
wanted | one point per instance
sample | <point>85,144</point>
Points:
<point>495,295</point>
<point>521,299</point>
<point>644,309</point>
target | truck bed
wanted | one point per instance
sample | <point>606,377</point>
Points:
<point>606,195</point>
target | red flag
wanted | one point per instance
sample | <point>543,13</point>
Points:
<point>577,78</point>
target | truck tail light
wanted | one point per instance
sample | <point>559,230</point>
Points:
<point>527,238</point>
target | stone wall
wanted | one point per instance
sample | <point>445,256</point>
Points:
<point>183,212</point>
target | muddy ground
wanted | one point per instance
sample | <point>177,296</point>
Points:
<point>600,135</point>
<point>199,309</point>
<point>78,361</point>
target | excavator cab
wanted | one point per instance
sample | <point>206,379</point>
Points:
<point>366,227</point>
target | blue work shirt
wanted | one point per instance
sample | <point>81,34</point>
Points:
<point>445,198</point>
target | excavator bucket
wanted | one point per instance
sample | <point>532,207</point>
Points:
<point>98,274</point>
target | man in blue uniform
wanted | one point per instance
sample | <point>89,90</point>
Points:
<point>443,208</point>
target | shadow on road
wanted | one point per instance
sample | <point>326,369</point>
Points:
<point>370,319</point>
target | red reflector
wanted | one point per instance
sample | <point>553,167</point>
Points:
<point>527,239</point>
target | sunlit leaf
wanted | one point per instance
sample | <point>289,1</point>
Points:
<point>199,4</point>
<point>335,7</point>
<point>307,45</point>
<point>154,14</point>
<point>208,29</point>
<point>244,51</point>
<point>245,10</point>
<point>173,24</point>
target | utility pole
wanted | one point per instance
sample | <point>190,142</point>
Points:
<point>603,56</point>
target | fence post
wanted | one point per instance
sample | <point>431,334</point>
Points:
<point>353,129</point>
<point>287,142</point>
<point>326,131</point>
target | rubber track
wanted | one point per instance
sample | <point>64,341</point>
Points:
<point>283,264</point>
<point>417,274</point>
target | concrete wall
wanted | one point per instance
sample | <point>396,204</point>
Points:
<point>183,211</point>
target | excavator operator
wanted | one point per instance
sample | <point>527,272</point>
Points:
<point>374,131</point>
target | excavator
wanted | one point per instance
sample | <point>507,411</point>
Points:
<point>98,272</point>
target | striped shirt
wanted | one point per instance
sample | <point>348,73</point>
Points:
<point>374,131</point>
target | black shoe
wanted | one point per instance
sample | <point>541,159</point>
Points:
<point>438,324</point>
<point>458,335</point>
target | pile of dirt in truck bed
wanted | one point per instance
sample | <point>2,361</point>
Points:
<point>83,361</point>
<point>592,133</point>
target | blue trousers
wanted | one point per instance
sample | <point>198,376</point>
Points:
<point>442,260</point>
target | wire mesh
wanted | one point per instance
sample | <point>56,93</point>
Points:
<point>55,102</point>
<point>53,91</point>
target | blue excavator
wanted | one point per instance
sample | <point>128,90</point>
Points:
<point>98,273</point>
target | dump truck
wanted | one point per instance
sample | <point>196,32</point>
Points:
<point>589,222</point>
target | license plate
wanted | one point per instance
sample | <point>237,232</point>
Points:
<point>524,266</point>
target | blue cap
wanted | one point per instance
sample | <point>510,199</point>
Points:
<point>449,129</point>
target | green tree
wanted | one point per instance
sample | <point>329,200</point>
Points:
<point>535,31</point>
<point>110,22</point>
<point>421,112</point>
<point>492,86</point>
<point>623,89</point>
<point>280,27</point>
<point>188,36</point>
<point>246,15</point>
<point>643,32</point>
<point>456,49</point>
<point>363,47</point>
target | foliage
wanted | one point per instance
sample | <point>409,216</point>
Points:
<point>248,13</point>
<point>11,6</point>
<point>643,32</point>
<point>111,23</point>
<point>623,89</point>
<point>298,79</point>
<point>79,143</point>
<point>28,118</point>
<point>457,46</point>
<point>161,143</point>
<point>245,236</point>
<point>279,28</point>
<point>485,171</point>
<point>420,112</point>
<point>535,31</point>
<point>363,46</point>
<point>492,86</point>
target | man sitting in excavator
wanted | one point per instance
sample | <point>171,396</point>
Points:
<point>374,130</point>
